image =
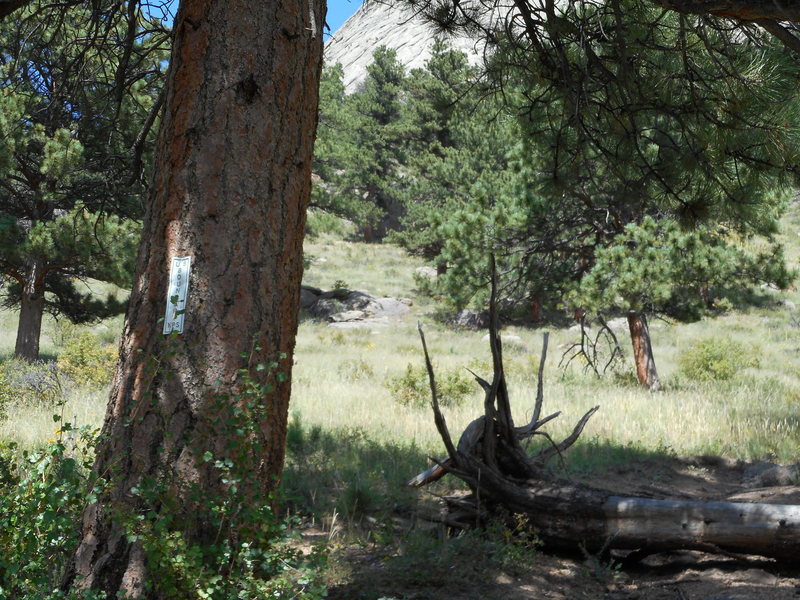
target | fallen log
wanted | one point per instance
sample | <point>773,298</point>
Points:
<point>567,516</point>
<point>490,459</point>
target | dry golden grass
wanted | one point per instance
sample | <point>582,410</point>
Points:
<point>30,426</point>
<point>750,416</point>
<point>340,375</point>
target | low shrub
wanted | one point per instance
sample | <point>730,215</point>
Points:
<point>62,331</point>
<point>426,285</point>
<point>88,362</point>
<point>717,359</point>
<point>252,555</point>
<point>355,369</point>
<point>357,499</point>
<point>413,389</point>
<point>38,383</point>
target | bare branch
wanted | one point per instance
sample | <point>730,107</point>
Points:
<point>743,10</point>
<point>540,379</point>
<point>782,33</point>
<point>441,424</point>
<point>548,453</point>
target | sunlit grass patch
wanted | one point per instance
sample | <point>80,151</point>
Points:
<point>340,376</point>
<point>31,425</point>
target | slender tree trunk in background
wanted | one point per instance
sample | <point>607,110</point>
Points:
<point>643,351</point>
<point>393,211</point>
<point>31,311</point>
<point>231,186</point>
<point>536,310</point>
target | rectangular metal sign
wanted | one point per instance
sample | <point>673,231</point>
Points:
<point>176,293</point>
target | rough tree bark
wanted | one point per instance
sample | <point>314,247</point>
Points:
<point>490,459</point>
<point>230,190</point>
<point>643,351</point>
<point>31,311</point>
<point>768,14</point>
<point>9,6</point>
<point>744,10</point>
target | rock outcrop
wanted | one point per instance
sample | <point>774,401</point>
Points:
<point>347,309</point>
<point>394,25</point>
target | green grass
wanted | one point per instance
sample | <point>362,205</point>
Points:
<point>351,446</point>
<point>30,426</point>
<point>381,270</point>
<point>746,417</point>
<point>340,375</point>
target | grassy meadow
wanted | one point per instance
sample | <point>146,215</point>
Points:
<point>362,444</point>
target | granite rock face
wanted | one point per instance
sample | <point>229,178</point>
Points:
<point>394,25</point>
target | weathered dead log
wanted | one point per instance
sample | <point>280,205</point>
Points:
<point>490,459</point>
<point>567,516</point>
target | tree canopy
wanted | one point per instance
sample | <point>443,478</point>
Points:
<point>77,131</point>
<point>600,139</point>
<point>362,145</point>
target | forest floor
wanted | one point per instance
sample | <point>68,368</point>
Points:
<point>477,570</point>
<point>361,427</point>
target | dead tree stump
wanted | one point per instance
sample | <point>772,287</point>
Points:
<point>489,457</point>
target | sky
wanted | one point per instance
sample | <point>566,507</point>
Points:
<point>339,11</point>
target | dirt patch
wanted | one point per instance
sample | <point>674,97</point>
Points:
<point>477,569</point>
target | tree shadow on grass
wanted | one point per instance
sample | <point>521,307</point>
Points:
<point>345,471</point>
<point>396,555</point>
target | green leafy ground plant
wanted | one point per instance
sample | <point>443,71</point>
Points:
<point>42,495</point>
<point>245,548</point>
<point>412,387</point>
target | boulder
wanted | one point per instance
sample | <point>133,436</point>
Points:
<point>325,307</point>
<point>348,315</point>
<point>308,296</point>
<point>392,307</point>
<point>342,305</point>
<point>508,338</point>
<point>426,272</point>
<point>472,319</point>
<point>371,324</point>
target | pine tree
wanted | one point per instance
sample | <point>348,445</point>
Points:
<point>467,196</point>
<point>444,121</point>
<point>76,132</point>
<point>362,146</point>
<point>195,433</point>
<point>661,117</point>
<point>630,113</point>
<point>336,155</point>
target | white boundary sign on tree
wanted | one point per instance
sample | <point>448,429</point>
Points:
<point>176,293</point>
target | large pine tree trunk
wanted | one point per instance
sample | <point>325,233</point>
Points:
<point>231,186</point>
<point>31,311</point>
<point>643,351</point>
